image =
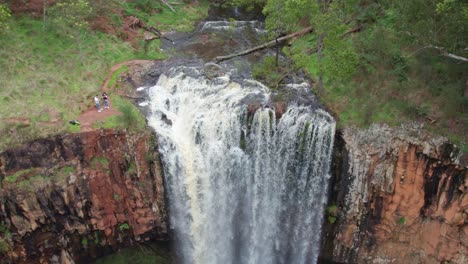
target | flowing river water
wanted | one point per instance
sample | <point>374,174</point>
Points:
<point>243,186</point>
<point>245,182</point>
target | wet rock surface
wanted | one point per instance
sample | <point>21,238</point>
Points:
<point>78,196</point>
<point>402,198</point>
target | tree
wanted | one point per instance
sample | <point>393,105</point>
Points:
<point>336,58</point>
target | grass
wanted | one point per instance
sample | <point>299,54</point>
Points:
<point>84,242</point>
<point>401,220</point>
<point>145,254</point>
<point>160,16</point>
<point>42,73</point>
<point>33,183</point>
<point>69,169</point>
<point>14,178</point>
<point>124,226</point>
<point>115,76</point>
<point>4,246</point>
<point>31,180</point>
<point>28,181</point>
<point>389,87</point>
<point>131,168</point>
<point>99,162</point>
<point>48,79</point>
<point>131,118</point>
<point>4,229</point>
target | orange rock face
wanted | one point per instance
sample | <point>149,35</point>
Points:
<point>72,195</point>
<point>409,206</point>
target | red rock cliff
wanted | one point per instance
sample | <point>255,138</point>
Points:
<point>402,198</point>
<point>72,197</point>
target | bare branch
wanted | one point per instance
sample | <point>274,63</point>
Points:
<point>265,45</point>
<point>168,5</point>
<point>442,51</point>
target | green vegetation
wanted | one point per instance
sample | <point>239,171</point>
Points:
<point>68,169</point>
<point>131,118</point>
<point>96,237</point>
<point>29,180</point>
<point>53,65</point>
<point>4,234</point>
<point>332,213</point>
<point>4,246</point>
<point>331,219</point>
<point>4,230</point>
<point>265,71</point>
<point>124,226</point>
<point>387,61</point>
<point>401,220</point>
<point>84,242</point>
<point>156,14</point>
<point>97,162</point>
<point>61,175</point>
<point>142,254</point>
<point>5,14</point>
<point>33,183</point>
<point>243,143</point>
<point>13,178</point>
<point>116,75</point>
<point>131,168</point>
<point>43,74</point>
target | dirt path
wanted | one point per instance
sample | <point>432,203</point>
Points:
<point>116,67</point>
<point>91,116</point>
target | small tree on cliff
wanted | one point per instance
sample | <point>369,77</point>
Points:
<point>334,56</point>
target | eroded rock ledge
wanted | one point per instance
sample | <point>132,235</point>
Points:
<point>401,198</point>
<point>73,197</point>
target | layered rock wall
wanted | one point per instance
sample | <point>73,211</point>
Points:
<point>74,197</point>
<point>401,198</point>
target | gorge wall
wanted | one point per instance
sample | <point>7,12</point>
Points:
<point>73,197</point>
<point>398,196</point>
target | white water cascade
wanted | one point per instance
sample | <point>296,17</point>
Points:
<point>242,187</point>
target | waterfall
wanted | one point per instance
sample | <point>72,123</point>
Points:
<point>243,186</point>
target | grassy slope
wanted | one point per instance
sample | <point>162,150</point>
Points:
<point>398,88</point>
<point>44,79</point>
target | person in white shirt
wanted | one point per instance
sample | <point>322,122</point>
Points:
<point>98,104</point>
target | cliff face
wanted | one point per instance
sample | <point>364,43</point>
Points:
<point>75,196</point>
<point>401,198</point>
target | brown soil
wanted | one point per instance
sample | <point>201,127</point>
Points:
<point>117,66</point>
<point>128,31</point>
<point>91,116</point>
<point>33,7</point>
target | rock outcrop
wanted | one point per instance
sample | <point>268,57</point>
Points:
<point>401,197</point>
<point>74,197</point>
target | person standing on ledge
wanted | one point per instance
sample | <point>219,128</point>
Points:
<point>105,99</point>
<point>98,105</point>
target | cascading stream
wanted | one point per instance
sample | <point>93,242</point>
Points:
<point>243,187</point>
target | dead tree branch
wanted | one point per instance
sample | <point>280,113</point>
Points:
<point>442,51</point>
<point>265,45</point>
<point>168,5</point>
<point>154,31</point>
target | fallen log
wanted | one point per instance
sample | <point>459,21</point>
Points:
<point>156,32</point>
<point>265,45</point>
<point>442,51</point>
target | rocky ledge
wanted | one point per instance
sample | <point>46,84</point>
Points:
<point>398,196</point>
<point>74,197</point>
